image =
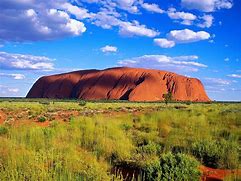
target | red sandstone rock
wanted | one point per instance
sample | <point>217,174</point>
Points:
<point>133,84</point>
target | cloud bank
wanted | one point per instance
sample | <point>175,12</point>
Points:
<point>179,64</point>
<point>181,36</point>
<point>13,61</point>
<point>207,5</point>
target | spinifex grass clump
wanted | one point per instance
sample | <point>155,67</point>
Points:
<point>217,154</point>
<point>35,153</point>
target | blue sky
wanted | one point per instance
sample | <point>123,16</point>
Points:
<point>194,38</point>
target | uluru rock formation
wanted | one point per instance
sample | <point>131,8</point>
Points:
<point>121,83</point>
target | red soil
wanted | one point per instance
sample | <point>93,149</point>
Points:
<point>133,84</point>
<point>2,116</point>
<point>210,174</point>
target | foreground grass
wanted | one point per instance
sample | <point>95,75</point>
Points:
<point>169,143</point>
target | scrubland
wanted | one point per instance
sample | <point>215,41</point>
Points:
<point>117,140</point>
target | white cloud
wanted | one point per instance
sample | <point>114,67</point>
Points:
<point>211,41</point>
<point>75,27</point>
<point>107,21</point>
<point>176,64</point>
<point>226,59</point>
<point>164,43</point>
<point>181,36</point>
<point>37,20</point>
<point>6,91</point>
<point>14,90</point>
<point>130,6</point>
<point>152,8</point>
<point>187,36</point>
<point>108,17</point>
<point>136,29</point>
<point>207,21</point>
<point>50,19</point>
<point>109,49</point>
<point>187,18</point>
<point>216,81</point>
<point>207,5</point>
<point>14,76</point>
<point>24,62</point>
<point>234,75</point>
<point>91,1</point>
<point>217,84</point>
<point>78,12</point>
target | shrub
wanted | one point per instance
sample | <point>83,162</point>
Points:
<point>217,154</point>
<point>3,130</point>
<point>208,152</point>
<point>188,103</point>
<point>44,102</point>
<point>152,171</point>
<point>149,149</point>
<point>126,127</point>
<point>82,103</point>
<point>41,119</point>
<point>173,167</point>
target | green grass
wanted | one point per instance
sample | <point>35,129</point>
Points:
<point>88,148</point>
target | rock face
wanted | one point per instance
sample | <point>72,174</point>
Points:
<point>133,84</point>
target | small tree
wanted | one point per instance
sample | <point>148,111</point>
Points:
<point>167,97</point>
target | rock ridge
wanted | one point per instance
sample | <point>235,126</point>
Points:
<point>119,83</point>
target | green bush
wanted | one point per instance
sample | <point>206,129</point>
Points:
<point>3,130</point>
<point>149,149</point>
<point>173,167</point>
<point>152,171</point>
<point>41,119</point>
<point>217,154</point>
<point>188,102</point>
<point>126,127</point>
<point>82,103</point>
<point>44,102</point>
<point>208,152</point>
